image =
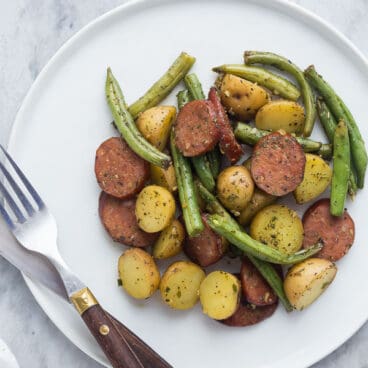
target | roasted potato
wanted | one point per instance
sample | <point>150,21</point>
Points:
<point>279,227</point>
<point>180,283</point>
<point>154,209</point>
<point>235,188</point>
<point>317,177</point>
<point>155,124</point>
<point>164,177</point>
<point>259,200</point>
<point>169,244</point>
<point>138,273</point>
<point>219,294</point>
<point>282,114</point>
<point>307,280</point>
<point>241,98</point>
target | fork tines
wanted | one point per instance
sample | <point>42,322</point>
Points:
<point>11,181</point>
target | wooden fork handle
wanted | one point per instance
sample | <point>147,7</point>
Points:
<point>104,330</point>
<point>147,355</point>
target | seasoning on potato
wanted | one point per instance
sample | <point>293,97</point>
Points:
<point>180,284</point>
<point>219,294</point>
<point>155,208</point>
<point>279,227</point>
<point>241,98</point>
<point>138,273</point>
<point>307,280</point>
<point>235,188</point>
<point>164,177</point>
<point>282,114</point>
<point>170,241</point>
<point>155,124</point>
<point>317,177</point>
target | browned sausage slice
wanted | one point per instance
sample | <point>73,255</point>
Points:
<point>120,171</point>
<point>278,163</point>
<point>195,128</point>
<point>336,233</point>
<point>248,314</point>
<point>255,288</point>
<point>206,248</point>
<point>228,144</point>
<point>118,217</point>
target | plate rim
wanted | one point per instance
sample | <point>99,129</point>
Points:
<point>286,7</point>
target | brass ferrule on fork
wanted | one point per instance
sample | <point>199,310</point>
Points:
<point>83,300</point>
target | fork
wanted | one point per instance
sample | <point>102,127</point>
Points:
<point>35,229</point>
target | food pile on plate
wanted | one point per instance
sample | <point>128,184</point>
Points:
<point>177,179</point>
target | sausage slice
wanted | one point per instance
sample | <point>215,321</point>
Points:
<point>118,217</point>
<point>278,163</point>
<point>195,128</point>
<point>255,288</point>
<point>206,248</point>
<point>336,233</point>
<point>120,172</point>
<point>228,144</point>
<point>248,314</point>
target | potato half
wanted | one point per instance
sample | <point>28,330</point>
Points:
<point>281,114</point>
<point>155,124</point>
<point>235,188</point>
<point>164,177</point>
<point>219,294</point>
<point>170,241</point>
<point>154,209</point>
<point>138,273</point>
<point>180,283</point>
<point>242,98</point>
<point>317,177</point>
<point>307,280</point>
<point>279,227</point>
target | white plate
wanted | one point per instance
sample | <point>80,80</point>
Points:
<point>65,117</point>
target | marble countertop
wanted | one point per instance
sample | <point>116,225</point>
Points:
<point>30,33</point>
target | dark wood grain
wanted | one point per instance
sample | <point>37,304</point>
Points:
<point>148,357</point>
<point>110,339</point>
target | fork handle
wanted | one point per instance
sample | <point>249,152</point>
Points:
<point>147,355</point>
<point>111,341</point>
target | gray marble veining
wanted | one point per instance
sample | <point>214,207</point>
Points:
<point>30,33</point>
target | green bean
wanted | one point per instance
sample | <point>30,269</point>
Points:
<point>194,87</point>
<point>203,170</point>
<point>325,151</point>
<point>187,195</point>
<point>214,159</point>
<point>212,203</point>
<point>329,125</point>
<point>340,111</point>
<point>127,128</point>
<point>251,135</point>
<point>326,118</point>
<point>341,169</point>
<point>164,85</point>
<point>352,178</point>
<point>275,83</point>
<point>272,277</point>
<point>268,58</point>
<point>182,97</point>
<point>242,240</point>
<point>267,270</point>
